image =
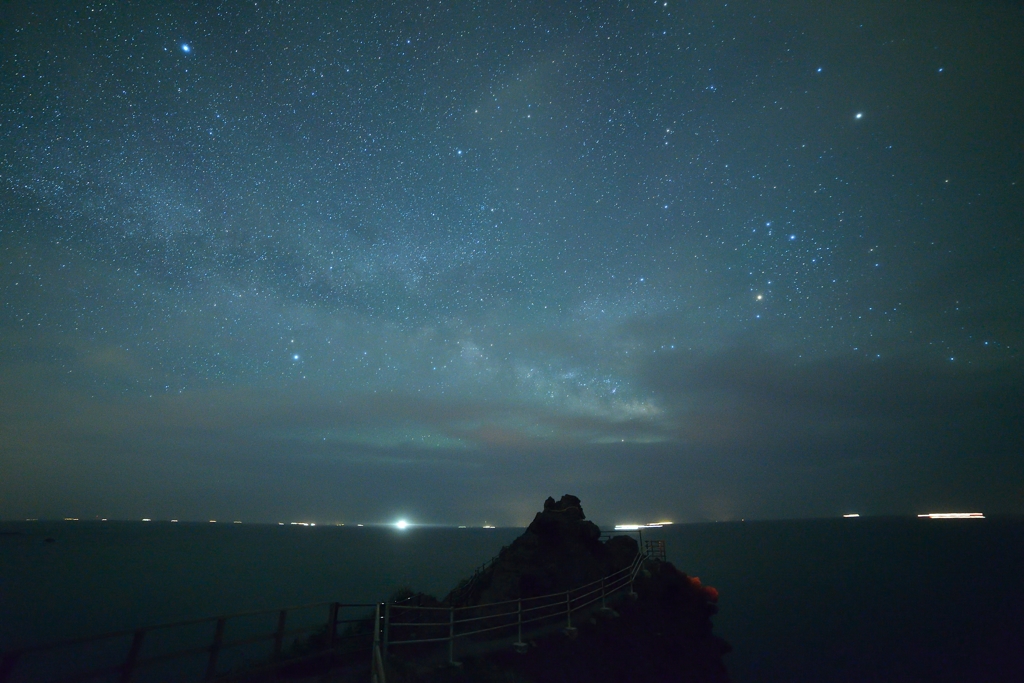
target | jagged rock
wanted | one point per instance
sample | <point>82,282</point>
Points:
<point>560,550</point>
<point>563,519</point>
<point>664,634</point>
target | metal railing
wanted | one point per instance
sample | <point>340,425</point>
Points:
<point>464,588</point>
<point>390,624</point>
<point>414,624</point>
<point>655,550</point>
<point>126,657</point>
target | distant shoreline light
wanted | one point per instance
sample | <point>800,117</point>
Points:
<point>851,515</point>
<point>637,527</point>
<point>953,515</point>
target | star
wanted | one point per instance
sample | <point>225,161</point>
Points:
<point>186,48</point>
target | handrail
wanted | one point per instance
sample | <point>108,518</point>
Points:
<point>624,570</point>
<point>566,602</point>
<point>132,661</point>
<point>562,603</point>
<point>458,591</point>
<point>175,624</point>
<point>376,662</point>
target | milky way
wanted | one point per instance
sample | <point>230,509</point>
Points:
<point>350,260</point>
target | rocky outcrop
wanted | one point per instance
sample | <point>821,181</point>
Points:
<point>662,632</point>
<point>560,550</point>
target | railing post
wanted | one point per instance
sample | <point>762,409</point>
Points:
<point>519,618</point>
<point>603,605</point>
<point>332,624</point>
<point>387,625</point>
<point>570,630</point>
<point>218,640</point>
<point>279,633</point>
<point>519,646</point>
<point>451,635</point>
<point>128,668</point>
<point>637,563</point>
<point>376,626</point>
<point>375,648</point>
<point>378,663</point>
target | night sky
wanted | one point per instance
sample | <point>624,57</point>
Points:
<point>351,261</point>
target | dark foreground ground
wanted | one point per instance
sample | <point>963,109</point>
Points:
<point>662,634</point>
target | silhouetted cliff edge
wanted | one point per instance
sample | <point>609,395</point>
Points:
<point>662,633</point>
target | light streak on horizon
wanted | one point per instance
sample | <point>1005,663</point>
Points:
<point>954,515</point>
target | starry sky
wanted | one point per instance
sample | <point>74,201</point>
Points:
<point>349,261</point>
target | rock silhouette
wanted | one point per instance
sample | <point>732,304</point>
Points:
<point>560,550</point>
<point>662,632</point>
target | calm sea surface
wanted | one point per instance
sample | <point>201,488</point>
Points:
<point>821,600</point>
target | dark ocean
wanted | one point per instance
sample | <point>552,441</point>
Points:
<point>819,600</point>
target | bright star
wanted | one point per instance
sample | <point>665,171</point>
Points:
<point>401,524</point>
<point>186,48</point>
<point>295,357</point>
<point>858,115</point>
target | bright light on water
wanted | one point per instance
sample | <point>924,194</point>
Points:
<point>402,524</point>
<point>954,515</point>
